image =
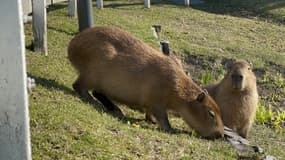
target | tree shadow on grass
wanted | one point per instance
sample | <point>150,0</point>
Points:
<point>114,4</point>
<point>51,84</point>
<point>70,33</point>
<point>246,9</point>
<point>118,5</point>
<point>57,6</point>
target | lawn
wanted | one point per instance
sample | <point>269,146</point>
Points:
<point>64,127</point>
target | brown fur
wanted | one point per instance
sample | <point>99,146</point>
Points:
<point>236,99</point>
<point>117,65</point>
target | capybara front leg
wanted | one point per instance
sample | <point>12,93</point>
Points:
<point>110,106</point>
<point>162,119</point>
<point>148,118</point>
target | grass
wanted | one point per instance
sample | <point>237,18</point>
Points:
<point>266,116</point>
<point>206,77</point>
<point>64,127</point>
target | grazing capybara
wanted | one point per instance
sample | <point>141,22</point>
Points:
<point>117,66</point>
<point>237,96</point>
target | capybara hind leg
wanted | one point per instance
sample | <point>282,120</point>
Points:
<point>83,92</point>
<point>162,119</point>
<point>148,118</point>
<point>110,106</point>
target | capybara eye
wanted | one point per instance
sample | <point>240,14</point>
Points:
<point>211,113</point>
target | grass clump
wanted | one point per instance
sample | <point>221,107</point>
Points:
<point>215,74</point>
<point>206,77</point>
<point>274,81</point>
<point>266,116</point>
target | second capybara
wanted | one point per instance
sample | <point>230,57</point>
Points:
<point>117,66</point>
<point>237,96</point>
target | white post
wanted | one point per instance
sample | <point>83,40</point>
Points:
<point>187,3</point>
<point>27,6</point>
<point>72,8</point>
<point>100,4</point>
<point>39,25</point>
<point>14,113</point>
<point>147,3</point>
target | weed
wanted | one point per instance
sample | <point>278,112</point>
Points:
<point>273,80</point>
<point>266,78</point>
<point>279,121</point>
<point>279,80</point>
<point>265,115</point>
<point>206,77</point>
<point>220,71</point>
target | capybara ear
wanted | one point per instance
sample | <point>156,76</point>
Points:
<point>201,97</point>
<point>229,63</point>
<point>250,64</point>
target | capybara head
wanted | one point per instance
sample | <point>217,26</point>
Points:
<point>239,74</point>
<point>205,116</point>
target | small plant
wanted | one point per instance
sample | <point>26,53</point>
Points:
<point>206,77</point>
<point>266,78</point>
<point>274,97</point>
<point>220,70</point>
<point>275,81</point>
<point>266,116</point>
<point>279,80</point>
<point>279,121</point>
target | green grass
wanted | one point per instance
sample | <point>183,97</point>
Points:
<point>206,77</point>
<point>64,127</point>
<point>266,116</point>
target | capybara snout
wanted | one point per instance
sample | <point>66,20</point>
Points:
<point>237,77</point>
<point>237,81</point>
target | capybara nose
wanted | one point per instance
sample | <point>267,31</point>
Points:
<point>237,77</point>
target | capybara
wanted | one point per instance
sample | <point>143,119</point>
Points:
<point>237,96</point>
<point>117,66</point>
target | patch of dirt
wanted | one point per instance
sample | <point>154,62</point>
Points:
<point>197,65</point>
<point>269,90</point>
<point>276,67</point>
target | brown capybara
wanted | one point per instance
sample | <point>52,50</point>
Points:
<point>116,65</point>
<point>237,96</point>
